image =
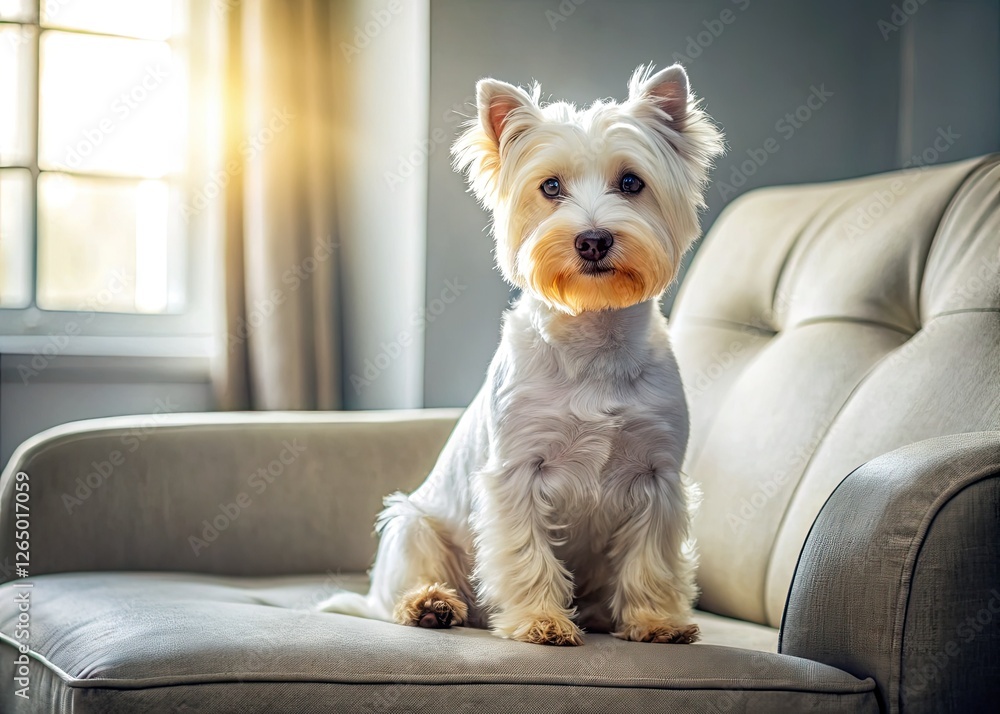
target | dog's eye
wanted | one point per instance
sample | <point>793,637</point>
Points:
<point>631,184</point>
<point>551,187</point>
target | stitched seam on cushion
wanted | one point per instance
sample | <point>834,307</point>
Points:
<point>853,320</point>
<point>742,326</point>
<point>860,693</point>
<point>443,680</point>
<point>862,686</point>
<point>64,676</point>
<point>308,419</point>
<point>906,576</point>
<point>960,312</point>
<point>725,324</point>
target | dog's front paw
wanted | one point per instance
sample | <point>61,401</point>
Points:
<point>435,606</point>
<point>558,631</point>
<point>660,632</point>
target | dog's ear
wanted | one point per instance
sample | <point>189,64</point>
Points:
<point>503,106</point>
<point>503,113</point>
<point>664,101</point>
<point>668,90</point>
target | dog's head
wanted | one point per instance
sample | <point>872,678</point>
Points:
<point>592,209</point>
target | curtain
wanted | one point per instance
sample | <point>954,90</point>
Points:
<point>280,327</point>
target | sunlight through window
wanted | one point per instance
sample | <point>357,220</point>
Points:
<point>94,144</point>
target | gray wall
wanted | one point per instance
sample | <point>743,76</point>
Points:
<point>951,56</point>
<point>894,85</point>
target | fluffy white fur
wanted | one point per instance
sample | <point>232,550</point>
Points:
<point>558,502</point>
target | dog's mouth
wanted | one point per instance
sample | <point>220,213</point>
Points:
<point>599,267</point>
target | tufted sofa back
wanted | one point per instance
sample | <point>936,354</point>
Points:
<point>820,326</point>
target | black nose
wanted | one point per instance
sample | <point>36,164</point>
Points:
<point>594,245</point>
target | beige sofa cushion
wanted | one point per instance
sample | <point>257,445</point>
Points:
<point>157,642</point>
<point>821,326</point>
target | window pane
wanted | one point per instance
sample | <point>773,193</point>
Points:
<point>15,237</point>
<point>17,94</point>
<point>149,19</point>
<point>108,245</point>
<point>110,105</point>
<point>17,10</point>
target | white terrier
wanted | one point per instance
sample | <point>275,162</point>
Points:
<point>558,501</point>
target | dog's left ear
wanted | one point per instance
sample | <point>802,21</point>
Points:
<point>667,90</point>
<point>664,101</point>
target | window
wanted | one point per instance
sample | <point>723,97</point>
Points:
<point>99,119</point>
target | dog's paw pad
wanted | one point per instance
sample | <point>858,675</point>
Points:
<point>661,634</point>
<point>432,606</point>
<point>549,631</point>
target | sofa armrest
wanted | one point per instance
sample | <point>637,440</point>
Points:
<point>244,494</point>
<point>899,578</point>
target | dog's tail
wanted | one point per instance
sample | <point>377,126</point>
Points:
<point>354,604</point>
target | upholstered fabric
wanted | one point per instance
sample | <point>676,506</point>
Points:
<point>311,485</point>
<point>819,327</point>
<point>136,642</point>
<point>899,578</point>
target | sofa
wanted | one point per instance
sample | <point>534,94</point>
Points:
<point>840,348</point>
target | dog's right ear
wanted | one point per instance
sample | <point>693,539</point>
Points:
<point>503,107</point>
<point>504,113</point>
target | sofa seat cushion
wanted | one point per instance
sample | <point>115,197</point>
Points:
<point>137,642</point>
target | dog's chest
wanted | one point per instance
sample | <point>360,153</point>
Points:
<point>577,430</point>
<point>586,411</point>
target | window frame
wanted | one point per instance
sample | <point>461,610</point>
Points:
<point>188,333</point>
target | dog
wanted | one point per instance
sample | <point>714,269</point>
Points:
<point>558,504</point>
